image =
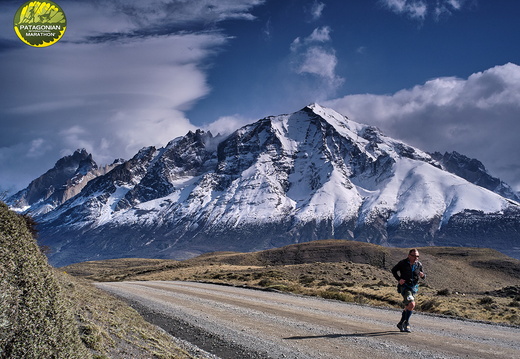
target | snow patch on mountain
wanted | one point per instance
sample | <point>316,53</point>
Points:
<point>312,174</point>
<point>419,192</point>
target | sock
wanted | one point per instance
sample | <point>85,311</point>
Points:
<point>407,315</point>
<point>403,317</point>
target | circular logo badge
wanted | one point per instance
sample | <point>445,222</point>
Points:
<point>40,23</point>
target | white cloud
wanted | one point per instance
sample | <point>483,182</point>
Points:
<point>267,29</point>
<point>477,116</point>
<point>313,55</point>
<point>137,95</point>
<point>318,61</point>
<point>228,124</point>
<point>361,50</point>
<point>131,17</point>
<point>320,34</point>
<point>416,9</point>
<point>38,148</point>
<point>120,79</point>
<point>446,7</point>
<point>317,10</point>
<point>420,9</point>
<point>76,137</point>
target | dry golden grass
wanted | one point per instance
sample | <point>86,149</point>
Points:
<point>109,328</point>
<point>461,282</point>
<point>45,313</point>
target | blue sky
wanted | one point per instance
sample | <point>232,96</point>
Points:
<point>442,75</point>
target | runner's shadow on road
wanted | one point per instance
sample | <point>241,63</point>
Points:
<point>332,336</point>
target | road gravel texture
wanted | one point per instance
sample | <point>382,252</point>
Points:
<point>231,322</point>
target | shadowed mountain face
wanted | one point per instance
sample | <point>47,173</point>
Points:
<point>65,180</point>
<point>313,174</point>
<point>474,171</point>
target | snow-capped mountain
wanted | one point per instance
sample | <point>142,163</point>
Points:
<point>65,180</point>
<point>474,171</point>
<point>313,174</point>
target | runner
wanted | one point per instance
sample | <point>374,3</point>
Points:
<point>407,272</point>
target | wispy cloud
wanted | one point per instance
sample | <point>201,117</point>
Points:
<point>37,148</point>
<point>319,61</point>
<point>118,18</point>
<point>121,78</point>
<point>447,7</point>
<point>313,55</point>
<point>420,9</point>
<point>416,9</point>
<point>446,114</point>
<point>316,10</point>
<point>228,124</point>
<point>361,50</point>
<point>267,29</point>
<point>320,34</point>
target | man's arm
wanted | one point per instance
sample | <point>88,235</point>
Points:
<point>421,272</point>
<point>395,271</point>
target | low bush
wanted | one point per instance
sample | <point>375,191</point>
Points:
<point>515,304</point>
<point>444,292</point>
<point>35,319</point>
<point>328,294</point>
<point>429,305</point>
<point>486,300</point>
<point>306,279</point>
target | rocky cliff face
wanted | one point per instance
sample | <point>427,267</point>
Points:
<point>313,174</point>
<point>62,182</point>
<point>474,171</point>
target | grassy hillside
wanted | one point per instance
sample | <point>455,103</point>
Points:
<point>474,283</point>
<point>35,319</point>
<point>109,328</point>
<point>45,313</point>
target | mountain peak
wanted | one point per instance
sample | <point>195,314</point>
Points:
<point>81,151</point>
<point>71,161</point>
<point>322,111</point>
<point>68,176</point>
<point>312,174</point>
<point>313,106</point>
<point>475,172</point>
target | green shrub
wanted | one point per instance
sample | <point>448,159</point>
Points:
<point>328,294</point>
<point>486,300</point>
<point>429,305</point>
<point>444,292</point>
<point>514,303</point>
<point>265,282</point>
<point>35,319</point>
<point>92,335</point>
<point>306,279</point>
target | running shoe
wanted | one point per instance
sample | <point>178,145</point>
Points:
<point>401,326</point>
<point>406,327</point>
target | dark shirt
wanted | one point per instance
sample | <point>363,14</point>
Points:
<point>403,270</point>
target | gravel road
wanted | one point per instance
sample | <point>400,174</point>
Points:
<point>234,323</point>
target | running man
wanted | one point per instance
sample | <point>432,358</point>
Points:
<point>407,272</point>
